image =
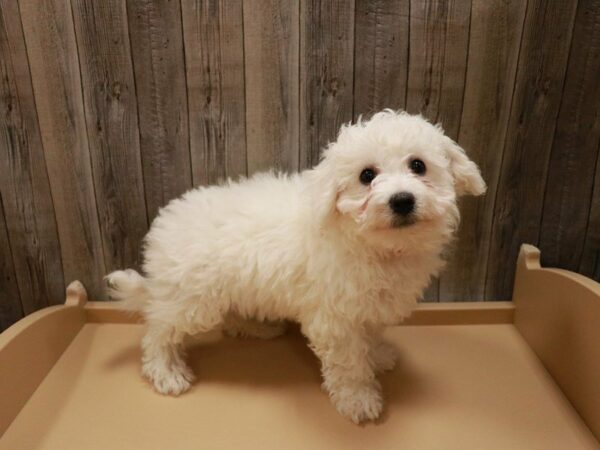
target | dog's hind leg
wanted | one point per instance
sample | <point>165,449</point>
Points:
<point>163,359</point>
<point>163,351</point>
<point>237,326</point>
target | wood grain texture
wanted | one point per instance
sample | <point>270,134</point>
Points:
<point>326,74</point>
<point>28,207</point>
<point>575,148</point>
<point>590,259</point>
<point>271,58</point>
<point>494,40</point>
<point>11,309</point>
<point>214,59</point>
<point>590,19</point>
<point>538,88</point>
<point>380,55</point>
<point>53,60</point>
<point>439,38</point>
<point>112,127</point>
<point>155,31</point>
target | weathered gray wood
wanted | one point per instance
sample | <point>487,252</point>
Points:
<point>52,53</point>
<point>380,55</point>
<point>271,52</point>
<point>494,40</point>
<point>10,298</point>
<point>538,88</point>
<point>214,58</point>
<point>439,37</point>
<point>155,31</point>
<point>198,74</point>
<point>112,127</point>
<point>575,148</point>
<point>29,212</point>
<point>326,74</point>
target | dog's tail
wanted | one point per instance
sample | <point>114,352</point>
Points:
<point>129,287</point>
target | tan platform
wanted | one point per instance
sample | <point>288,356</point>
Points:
<point>468,378</point>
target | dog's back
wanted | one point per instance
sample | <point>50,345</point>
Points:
<point>222,241</point>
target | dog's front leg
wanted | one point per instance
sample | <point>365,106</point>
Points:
<point>382,354</point>
<point>348,374</point>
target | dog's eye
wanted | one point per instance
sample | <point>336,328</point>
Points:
<point>418,167</point>
<point>367,176</point>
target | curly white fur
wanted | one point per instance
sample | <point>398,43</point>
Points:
<point>320,248</point>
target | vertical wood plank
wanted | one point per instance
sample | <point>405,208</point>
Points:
<point>10,299</point>
<point>155,30</point>
<point>326,74</point>
<point>494,40</point>
<point>52,53</point>
<point>590,258</point>
<point>538,88</point>
<point>112,127</point>
<point>214,59</point>
<point>28,208</point>
<point>439,37</point>
<point>381,55</point>
<point>271,48</point>
<point>568,196</point>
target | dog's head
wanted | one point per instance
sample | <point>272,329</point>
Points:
<point>396,176</point>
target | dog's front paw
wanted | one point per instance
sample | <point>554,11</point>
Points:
<point>174,380</point>
<point>384,357</point>
<point>360,403</point>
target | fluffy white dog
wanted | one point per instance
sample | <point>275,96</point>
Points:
<point>344,249</point>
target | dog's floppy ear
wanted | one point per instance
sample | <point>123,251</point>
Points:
<point>467,178</point>
<point>323,188</point>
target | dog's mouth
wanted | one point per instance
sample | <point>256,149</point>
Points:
<point>398,223</point>
<point>404,222</point>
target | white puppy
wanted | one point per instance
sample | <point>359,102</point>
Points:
<point>344,249</point>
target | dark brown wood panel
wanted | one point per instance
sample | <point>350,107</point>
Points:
<point>575,148</point>
<point>326,74</point>
<point>214,57</point>
<point>271,52</point>
<point>494,40</point>
<point>11,309</point>
<point>28,207</point>
<point>538,88</point>
<point>53,60</point>
<point>380,55</point>
<point>155,30</point>
<point>590,259</point>
<point>439,38</point>
<point>112,127</point>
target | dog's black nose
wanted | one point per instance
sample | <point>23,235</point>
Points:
<point>402,203</point>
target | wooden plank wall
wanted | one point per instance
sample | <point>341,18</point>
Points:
<point>109,109</point>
